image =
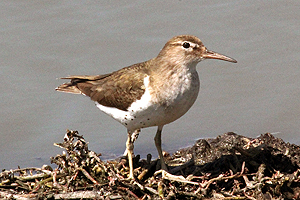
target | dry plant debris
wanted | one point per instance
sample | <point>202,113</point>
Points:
<point>228,167</point>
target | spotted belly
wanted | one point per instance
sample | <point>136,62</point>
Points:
<point>144,113</point>
<point>151,111</point>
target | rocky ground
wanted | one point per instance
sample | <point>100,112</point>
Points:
<point>230,166</point>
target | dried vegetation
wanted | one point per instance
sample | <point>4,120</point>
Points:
<point>228,167</point>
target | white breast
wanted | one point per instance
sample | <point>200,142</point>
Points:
<point>142,113</point>
<point>175,101</point>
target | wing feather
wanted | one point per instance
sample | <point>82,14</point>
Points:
<point>118,89</point>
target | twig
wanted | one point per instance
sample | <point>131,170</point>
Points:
<point>129,192</point>
<point>88,176</point>
<point>31,177</point>
<point>141,175</point>
<point>7,195</point>
<point>150,189</point>
<point>78,195</point>
<point>168,176</point>
<point>42,182</point>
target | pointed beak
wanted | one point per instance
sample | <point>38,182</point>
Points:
<point>214,55</point>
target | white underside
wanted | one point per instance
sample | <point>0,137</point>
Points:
<point>146,113</point>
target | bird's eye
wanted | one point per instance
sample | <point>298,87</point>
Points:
<point>186,45</point>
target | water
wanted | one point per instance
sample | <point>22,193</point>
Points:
<point>44,40</point>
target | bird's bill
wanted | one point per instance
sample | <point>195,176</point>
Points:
<point>214,55</point>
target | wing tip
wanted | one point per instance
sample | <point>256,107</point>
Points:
<point>68,88</point>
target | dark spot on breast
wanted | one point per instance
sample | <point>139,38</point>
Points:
<point>148,119</point>
<point>126,124</point>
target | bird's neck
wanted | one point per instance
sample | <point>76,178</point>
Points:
<point>172,79</point>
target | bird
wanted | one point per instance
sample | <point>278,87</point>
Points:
<point>151,93</point>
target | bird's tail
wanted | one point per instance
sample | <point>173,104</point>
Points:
<point>68,88</point>
<point>79,84</point>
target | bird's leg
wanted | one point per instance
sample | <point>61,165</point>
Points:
<point>157,140</point>
<point>129,149</point>
<point>134,137</point>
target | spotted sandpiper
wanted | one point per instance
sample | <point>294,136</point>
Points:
<point>151,93</point>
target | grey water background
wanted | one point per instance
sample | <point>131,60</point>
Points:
<point>44,40</point>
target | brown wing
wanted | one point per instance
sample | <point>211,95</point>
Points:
<point>118,89</point>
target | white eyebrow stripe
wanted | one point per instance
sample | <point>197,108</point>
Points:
<point>192,44</point>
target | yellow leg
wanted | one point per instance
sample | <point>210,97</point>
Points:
<point>157,140</point>
<point>129,149</point>
<point>134,137</point>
